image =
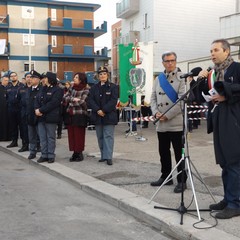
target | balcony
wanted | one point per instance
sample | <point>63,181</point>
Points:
<point>77,52</point>
<point>83,27</point>
<point>127,8</point>
<point>4,21</point>
<point>230,28</point>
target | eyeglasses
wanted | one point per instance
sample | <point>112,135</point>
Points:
<point>170,61</point>
<point>13,75</point>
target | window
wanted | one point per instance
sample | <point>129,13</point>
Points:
<point>54,67</point>
<point>131,25</point>
<point>26,66</point>
<point>26,39</point>
<point>145,21</point>
<point>27,12</point>
<point>53,14</point>
<point>54,41</point>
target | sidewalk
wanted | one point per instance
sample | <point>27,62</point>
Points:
<point>126,184</point>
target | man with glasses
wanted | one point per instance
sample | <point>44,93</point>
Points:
<point>167,88</point>
<point>14,109</point>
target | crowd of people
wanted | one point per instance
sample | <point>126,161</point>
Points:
<point>35,108</point>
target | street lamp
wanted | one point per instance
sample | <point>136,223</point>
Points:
<point>29,42</point>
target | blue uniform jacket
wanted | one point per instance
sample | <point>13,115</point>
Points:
<point>103,98</point>
<point>48,101</point>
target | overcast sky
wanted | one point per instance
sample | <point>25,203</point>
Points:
<point>107,12</point>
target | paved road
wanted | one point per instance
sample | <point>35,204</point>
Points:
<point>37,206</point>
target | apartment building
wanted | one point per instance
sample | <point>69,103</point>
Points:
<point>51,35</point>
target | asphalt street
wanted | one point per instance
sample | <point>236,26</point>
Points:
<point>35,205</point>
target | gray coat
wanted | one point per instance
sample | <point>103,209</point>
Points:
<point>160,102</point>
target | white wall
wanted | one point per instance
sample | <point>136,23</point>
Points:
<point>185,26</point>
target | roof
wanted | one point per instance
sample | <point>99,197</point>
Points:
<point>94,7</point>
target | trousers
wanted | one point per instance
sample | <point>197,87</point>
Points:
<point>105,137</point>
<point>165,139</point>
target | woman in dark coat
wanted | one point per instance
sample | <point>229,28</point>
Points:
<point>4,126</point>
<point>102,100</point>
<point>47,109</point>
<point>76,117</point>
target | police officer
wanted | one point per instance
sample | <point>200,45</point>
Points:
<point>14,109</point>
<point>22,96</point>
<point>47,109</point>
<point>30,113</point>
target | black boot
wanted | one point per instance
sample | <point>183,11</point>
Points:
<point>24,148</point>
<point>13,144</point>
<point>77,157</point>
<point>73,157</point>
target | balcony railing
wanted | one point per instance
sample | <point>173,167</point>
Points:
<point>127,8</point>
<point>4,21</point>
<point>230,28</point>
<point>76,51</point>
<point>77,26</point>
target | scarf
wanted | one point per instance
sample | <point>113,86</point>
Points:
<point>222,67</point>
<point>79,87</point>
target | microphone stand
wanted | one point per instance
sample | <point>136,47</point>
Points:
<point>185,159</point>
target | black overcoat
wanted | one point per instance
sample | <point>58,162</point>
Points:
<point>4,125</point>
<point>226,118</point>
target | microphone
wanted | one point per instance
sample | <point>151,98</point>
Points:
<point>194,72</point>
<point>201,78</point>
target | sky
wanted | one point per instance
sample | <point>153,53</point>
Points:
<point>107,12</point>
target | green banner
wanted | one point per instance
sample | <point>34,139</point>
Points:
<point>125,53</point>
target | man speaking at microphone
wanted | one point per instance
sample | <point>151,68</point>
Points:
<point>224,122</point>
<point>167,88</point>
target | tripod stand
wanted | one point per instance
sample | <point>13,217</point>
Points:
<point>185,162</point>
<point>129,110</point>
<point>141,138</point>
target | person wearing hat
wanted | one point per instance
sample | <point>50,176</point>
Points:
<point>47,109</point>
<point>30,113</point>
<point>102,101</point>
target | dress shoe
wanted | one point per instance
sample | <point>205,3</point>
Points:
<point>178,188</point>
<point>41,160</point>
<point>218,206</point>
<point>73,157</point>
<point>109,161</point>
<point>227,213</point>
<point>24,148</point>
<point>59,136</point>
<point>79,157</point>
<point>160,181</point>
<point>31,156</point>
<point>12,144</point>
<point>76,157</point>
<point>51,160</point>
<point>102,160</point>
